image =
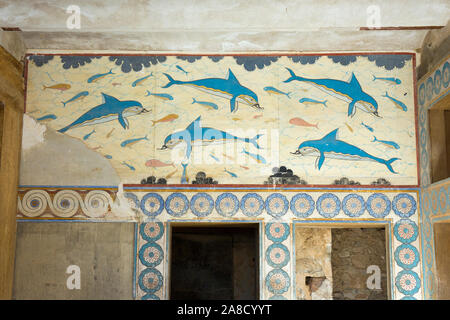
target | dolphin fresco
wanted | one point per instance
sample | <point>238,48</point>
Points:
<point>350,92</point>
<point>329,146</point>
<point>229,88</point>
<point>111,109</point>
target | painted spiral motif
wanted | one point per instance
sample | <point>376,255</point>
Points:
<point>202,204</point>
<point>227,204</point>
<point>328,205</point>
<point>34,203</point>
<point>151,254</point>
<point>252,204</point>
<point>152,204</point>
<point>277,232</point>
<point>406,256</point>
<point>150,280</point>
<point>151,231</point>
<point>66,203</point>
<point>406,231</point>
<point>378,205</point>
<point>442,200</point>
<point>429,88</point>
<point>97,203</point>
<point>277,255</point>
<point>177,204</point>
<point>407,282</point>
<point>302,205</point>
<point>277,205</point>
<point>422,95</point>
<point>437,81</point>
<point>353,205</point>
<point>404,205</point>
<point>278,281</point>
<point>446,74</point>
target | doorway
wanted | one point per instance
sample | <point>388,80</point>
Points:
<point>219,262</point>
<point>442,247</point>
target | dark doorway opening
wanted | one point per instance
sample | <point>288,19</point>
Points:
<point>214,262</point>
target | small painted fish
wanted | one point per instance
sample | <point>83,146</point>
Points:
<point>59,86</point>
<point>181,69</point>
<point>116,84</point>
<point>271,120</point>
<point>231,158</point>
<point>394,80</point>
<point>171,174</point>
<point>236,119</point>
<point>138,81</point>
<point>302,123</point>
<point>206,103</point>
<point>390,144</point>
<point>257,116</point>
<point>396,102</point>
<point>257,157</point>
<point>109,133</point>
<point>78,96</point>
<point>99,76</point>
<point>234,175</point>
<point>128,165</point>
<point>131,142</point>
<point>155,163</point>
<point>349,128</point>
<point>107,156</point>
<point>312,101</point>
<point>271,90</point>
<point>214,157</point>
<point>368,128</point>
<point>184,179</point>
<point>163,96</point>
<point>169,118</point>
<point>96,148</point>
<point>88,135</point>
<point>244,167</point>
<point>47,117</point>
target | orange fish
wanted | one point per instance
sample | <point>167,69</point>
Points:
<point>257,116</point>
<point>59,86</point>
<point>301,122</point>
<point>171,174</point>
<point>349,128</point>
<point>231,158</point>
<point>168,118</point>
<point>155,163</point>
<point>246,168</point>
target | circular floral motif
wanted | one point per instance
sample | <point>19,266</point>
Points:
<point>407,282</point>
<point>150,280</point>
<point>152,204</point>
<point>277,297</point>
<point>328,205</point>
<point>404,205</point>
<point>406,231</point>
<point>150,296</point>
<point>422,94</point>
<point>252,204</point>
<point>302,205</point>
<point>429,88</point>
<point>437,81</point>
<point>442,199</point>
<point>277,205</point>
<point>353,205</point>
<point>151,254</point>
<point>378,205</point>
<point>277,232</point>
<point>151,231</point>
<point>227,204</point>
<point>133,200</point>
<point>277,255</point>
<point>278,281</point>
<point>177,204</point>
<point>202,204</point>
<point>406,256</point>
<point>446,74</point>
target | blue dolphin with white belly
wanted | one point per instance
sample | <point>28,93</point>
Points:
<point>195,134</point>
<point>111,109</point>
<point>350,92</point>
<point>330,147</point>
<point>229,88</point>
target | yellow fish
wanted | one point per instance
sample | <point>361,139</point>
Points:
<point>349,128</point>
<point>236,119</point>
<point>168,118</point>
<point>109,134</point>
<point>171,174</point>
<point>59,86</point>
<point>271,120</point>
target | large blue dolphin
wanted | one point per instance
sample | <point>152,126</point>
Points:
<point>330,147</point>
<point>195,134</point>
<point>111,109</point>
<point>226,88</point>
<point>350,92</point>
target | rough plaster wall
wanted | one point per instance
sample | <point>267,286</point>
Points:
<point>13,42</point>
<point>353,251</point>
<point>56,159</point>
<point>313,259</point>
<point>442,245</point>
<point>103,251</point>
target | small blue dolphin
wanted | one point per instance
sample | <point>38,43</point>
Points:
<point>390,144</point>
<point>111,109</point>
<point>206,103</point>
<point>138,81</point>
<point>80,95</point>
<point>396,102</point>
<point>350,92</point>
<point>330,147</point>
<point>276,91</point>
<point>99,76</point>
<point>391,80</point>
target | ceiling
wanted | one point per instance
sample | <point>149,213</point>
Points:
<point>225,26</point>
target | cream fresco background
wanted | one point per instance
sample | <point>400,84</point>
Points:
<point>280,137</point>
